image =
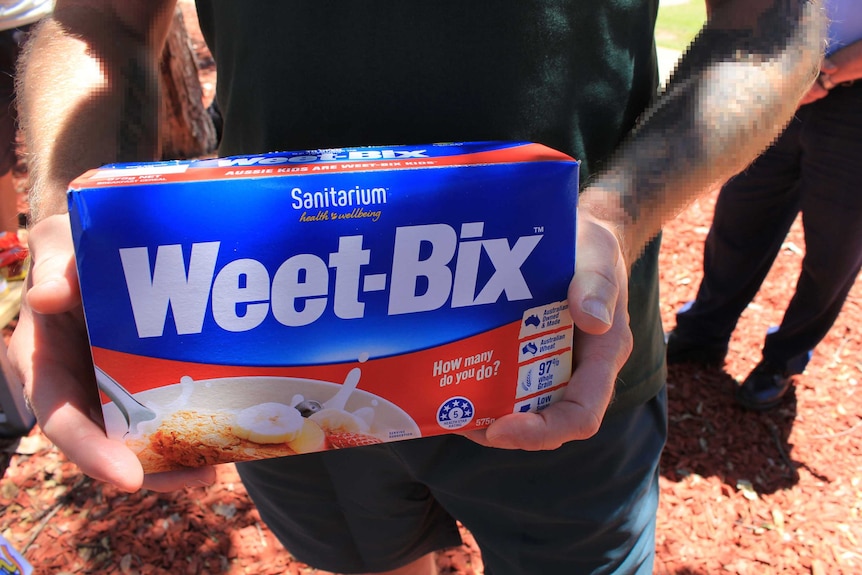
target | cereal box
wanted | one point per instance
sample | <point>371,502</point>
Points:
<point>276,304</point>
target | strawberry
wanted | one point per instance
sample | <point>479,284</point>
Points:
<point>342,440</point>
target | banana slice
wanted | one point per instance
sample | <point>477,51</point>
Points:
<point>339,421</point>
<point>269,423</point>
<point>310,439</point>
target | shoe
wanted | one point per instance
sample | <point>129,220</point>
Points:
<point>682,350</point>
<point>765,387</point>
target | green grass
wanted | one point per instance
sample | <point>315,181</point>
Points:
<point>679,23</point>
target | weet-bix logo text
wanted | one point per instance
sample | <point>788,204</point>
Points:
<point>432,265</point>
<point>322,156</point>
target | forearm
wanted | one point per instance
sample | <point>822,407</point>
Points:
<point>733,93</point>
<point>88,95</point>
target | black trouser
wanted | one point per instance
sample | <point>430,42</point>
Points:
<point>815,168</point>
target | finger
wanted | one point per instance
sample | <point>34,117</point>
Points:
<point>579,413</point>
<point>598,298</point>
<point>52,280</point>
<point>560,423</point>
<point>83,441</point>
<point>477,436</point>
<point>576,416</point>
<point>52,358</point>
<point>176,480</point>
<point>595,290</point>
<point>828,66</point>
<point>814,93</point>
<point>50,351</point>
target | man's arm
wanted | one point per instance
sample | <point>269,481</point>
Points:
<point>88,95</point>
<point>733,92</point>
<point>88,91</point>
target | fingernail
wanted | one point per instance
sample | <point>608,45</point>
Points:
<point>597,309</point>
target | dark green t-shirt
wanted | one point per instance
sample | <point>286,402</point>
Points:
<point>571,74</point>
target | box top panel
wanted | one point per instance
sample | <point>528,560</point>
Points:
<point>325,161</point>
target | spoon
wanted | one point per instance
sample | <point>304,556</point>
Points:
<point>133,411</point>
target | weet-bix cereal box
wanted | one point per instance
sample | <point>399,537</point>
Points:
<point>258,306</point>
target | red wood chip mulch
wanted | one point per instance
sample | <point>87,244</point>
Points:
<point>748,493</point>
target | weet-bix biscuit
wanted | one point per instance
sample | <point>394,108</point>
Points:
<point>258,306</point>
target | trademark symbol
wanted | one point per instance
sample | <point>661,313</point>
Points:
<point>539,229</point>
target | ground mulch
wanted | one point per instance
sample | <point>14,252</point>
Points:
<point>748,493</point>
<point>774,492</point>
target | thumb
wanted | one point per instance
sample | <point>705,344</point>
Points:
<point>53,278</point>
<point>595,288</point>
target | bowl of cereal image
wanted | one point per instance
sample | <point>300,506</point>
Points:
<point>211,421</point>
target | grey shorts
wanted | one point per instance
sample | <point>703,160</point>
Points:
<point>588,507</point>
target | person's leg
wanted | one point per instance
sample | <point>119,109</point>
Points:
<point>831,208</point>
<point>831,205</point>
<point>588,507</point>
<point>423,566</point>
<point>351,511</point>
<point>753,214</point>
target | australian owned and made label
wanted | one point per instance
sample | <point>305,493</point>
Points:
<point>399,291</point>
